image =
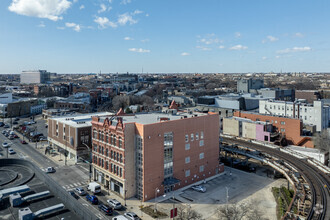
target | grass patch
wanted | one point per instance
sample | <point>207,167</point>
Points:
<point>149,210</point>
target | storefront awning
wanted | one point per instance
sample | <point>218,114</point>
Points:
<point>170,181</point>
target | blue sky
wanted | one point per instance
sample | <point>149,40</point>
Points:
<point>196,36</point>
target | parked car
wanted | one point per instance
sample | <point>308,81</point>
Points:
<point>1,124</point>
<point>3,132</point>
<point>73,194</point>
<point>6,126</point>
<point>199,188</point>
<point>92,199</point>
<point>80,191</point>
<point>5,144</point>
<point>106,209</point>
<point>23,142</point>
<point>132,216</point>
<point>15,122</point>
<point>114,204</point>
<point>42,138</point>
<point>6,134</point>
<point>15,135</point>
<point>16,119</point>
<point>11,151</point>
<point>11,137</point>
<point>50,170</point>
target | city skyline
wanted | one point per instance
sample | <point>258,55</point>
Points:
<point>78,36</point>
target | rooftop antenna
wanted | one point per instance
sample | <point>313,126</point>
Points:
<point>142,70</point>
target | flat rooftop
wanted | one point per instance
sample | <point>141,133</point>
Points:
<point>81,120</point>
<point>155,117</point>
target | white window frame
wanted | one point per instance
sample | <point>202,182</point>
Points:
<point>201,155</point>
<point>187,160</point>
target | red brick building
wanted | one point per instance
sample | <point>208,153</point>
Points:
<point>139,155</point>
<point>291,128</point>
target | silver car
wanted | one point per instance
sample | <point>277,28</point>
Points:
<point>114,204</point>
<point>132,216</point>
<point>199,188</point>
<point>80,191</point>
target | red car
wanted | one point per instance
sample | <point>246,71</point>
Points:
<point>15,136</point>
<point>23,142</point>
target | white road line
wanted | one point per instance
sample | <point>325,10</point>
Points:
<point>75,184</point>
<point>71,185</point>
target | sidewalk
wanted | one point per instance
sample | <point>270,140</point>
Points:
<point>41,146</point>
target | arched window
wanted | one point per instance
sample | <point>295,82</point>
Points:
<point>106,138</point>
<point>99,135</point>
<point>117,159</point>
<point>111,139</point>
<point>94,134</point>
<point>114,140</point>
<point>106,152</point>
<point>120,142</point>
<point>111,154</point>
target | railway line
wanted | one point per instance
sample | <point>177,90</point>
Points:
<point>318,181</point>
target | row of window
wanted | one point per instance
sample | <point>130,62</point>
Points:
<point>187,145</point>
<point>192,136</point>
<point>201,156</point>
<point>105,151</point>
<point>105,164</point>
<point>112,139</point>
<point>201,169</point>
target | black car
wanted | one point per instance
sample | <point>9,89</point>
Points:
<point>2,124</point>
<point>73,195</point>
<point>106,209</point>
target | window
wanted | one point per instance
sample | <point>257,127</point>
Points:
<point>111,139</point>
<point>197,136</point>
<point>121,158</point>
<point>106,165</point>
<point>94,134</point>
<point>99,149</point>
<point>187,160</point>
<point>282,130</point>
<point>275,122</point>
<point>305,109</point>
<point>201,143</point>
<point>282,122</point>
<point>187,147</point>
<point>121,172</point>
<point>106,138</point>
<point>106,152</point>
<point>99,162</point>
<point>114,140</point>
<point>102,151</point>
<point>187,173</point>
<point>95,147</point>
<point>111,167</point>
<point>102,163</point>
<point>202,134</point>
<point>192,137</point>
<point>120,142</point>
<point>168,155</point>
<point>201,168</point>
<point>187,138</point>
<point>117,157</point>
<point>201,156</point>
<point>111,154</point>
<point>305,117</point>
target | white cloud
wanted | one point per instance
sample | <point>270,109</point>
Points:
<point>75,1</point>
<point>145,40</point>
<point>277,57</point>
<point>104,22</point>
<point>209,39</point>
<point>82,7</point>
<point>238,47</point>
<point>294,49</point>
<point>221,47</point>
<point>270,38</point>
<point>128,38</point>
<point>185,54</point>
<point>50,9</point>
<point>136,12</point>
<point>60,28</point>
<point>125,2</point>
<point>41,25</point>
<point>298,34</point>
<point>203,48</point>
<point>238,35</point>
<point>264,58</point>
<point>139,50</point>
<point>103,8</point>
<point>74,26</point>
<point>126,18</point>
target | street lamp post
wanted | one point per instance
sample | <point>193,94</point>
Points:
<point>156,192</point>
<point>90,161</point>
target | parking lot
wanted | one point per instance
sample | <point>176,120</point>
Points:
<point>242,187</point>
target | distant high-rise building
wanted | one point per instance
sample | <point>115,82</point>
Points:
<point>35,76</point>
<point>246,85</point>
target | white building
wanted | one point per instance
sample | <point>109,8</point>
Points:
<point>316,114</point>
<point>35,76</point>
<point>6,98</point>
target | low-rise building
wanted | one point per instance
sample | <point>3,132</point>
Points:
<point>290,129</point>
<point>147,155</point>
<point>316,114</point>
<point>71,135</point>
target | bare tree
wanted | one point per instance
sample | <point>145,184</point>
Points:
<point>188,214</point>
<point>120,102</point>
<point>243,211</point>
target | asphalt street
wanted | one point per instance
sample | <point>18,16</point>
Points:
<point>69,177</point>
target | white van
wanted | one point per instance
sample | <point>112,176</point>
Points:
<point>119,217</point>
<point>94,187</point>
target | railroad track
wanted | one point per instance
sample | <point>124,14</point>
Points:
<point>319,182</point>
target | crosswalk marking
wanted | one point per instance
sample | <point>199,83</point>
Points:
<point>72,186</point>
